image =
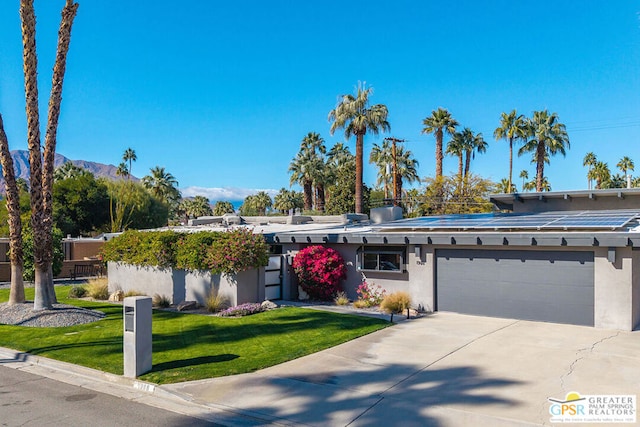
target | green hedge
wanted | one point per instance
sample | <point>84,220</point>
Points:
<point>220,252</point>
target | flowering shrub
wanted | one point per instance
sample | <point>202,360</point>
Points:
<point>245,309</point>
<point>370,294</point>
<point>319,270</point>
<point>220,252</point>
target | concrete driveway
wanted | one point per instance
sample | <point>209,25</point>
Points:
<point>445,369</point>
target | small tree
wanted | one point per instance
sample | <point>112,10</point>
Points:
<point>320,270</point>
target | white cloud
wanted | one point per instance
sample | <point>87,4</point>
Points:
<point>227,193</point>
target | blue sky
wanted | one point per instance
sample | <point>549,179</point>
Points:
<point>221,93</point>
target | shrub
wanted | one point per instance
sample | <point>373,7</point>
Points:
<point>98,289</point>
<point>219,252</point>
<point>242,310</point>
<point>29,272</point>
<point>77,292</point>
<point>215,302</point>
<point>360,304</point>
<point>370,294</point>
<point>161,301</point>
<point>396,302</point>
<point>341,299</point>
<point>133,293</point>
<point>319,270</point>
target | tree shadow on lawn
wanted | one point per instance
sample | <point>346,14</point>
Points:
<point>203,360</point>
<point>100,347</point>
<point>386,395</point>
<point>236,330</point>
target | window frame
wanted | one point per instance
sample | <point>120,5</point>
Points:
<point>399,251</point>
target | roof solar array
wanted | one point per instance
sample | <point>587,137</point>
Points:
<point>564,220</point>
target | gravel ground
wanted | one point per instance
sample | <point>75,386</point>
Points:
<point>59,315</point>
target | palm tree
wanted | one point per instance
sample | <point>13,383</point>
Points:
<point>626,164</point>
<point>42,178</point>
<point>601,174</point>
<point>27,15</point>
<point>45,228</point>
<point>129,156</point>
<point>382,157</point>
<point>287,200</point>
<point>308,169</point>
<point>301,169</point>
<point>339,156</point>
<point>524,175</point>
<point>356,117</point>
<point>512,128</point>
<point>504,186</point>
<point>472,144</point>
<point>546,186</point>
<point>68,170</point>
<point>455,147</point>
<point>313,144</point>
<point>195,207</point>
<point>437,123</point>
<point>16,293</point>
<point>548,137</point>
<point>122,170</point>
<point>590,161</point>
<point>162,184</point>
<point>618,181</point>
<point>223,207</point>
<point>262,202</point>
<point>406,169</point>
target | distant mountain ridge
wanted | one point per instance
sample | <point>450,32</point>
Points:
<point>21,166</point>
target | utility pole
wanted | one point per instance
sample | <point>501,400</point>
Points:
<point>396,178</point>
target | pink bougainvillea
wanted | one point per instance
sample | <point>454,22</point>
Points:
<point>320,270</point>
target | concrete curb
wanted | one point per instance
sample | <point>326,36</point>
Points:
<point>129,388</point>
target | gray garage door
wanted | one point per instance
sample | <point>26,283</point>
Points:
<point>549,286</point>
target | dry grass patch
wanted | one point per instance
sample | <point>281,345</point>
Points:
<point>98,288</point>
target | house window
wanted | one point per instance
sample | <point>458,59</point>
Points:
<point>376,258</point>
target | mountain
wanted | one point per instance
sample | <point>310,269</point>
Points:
<point>21,166</point>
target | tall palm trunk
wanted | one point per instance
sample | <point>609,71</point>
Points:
<point>439,154</point>
<point>397,189</point>
<point>467,162</point>
<point>16,294</point>
<point>460,161</point>
<point>30,61</point>
<point>42,180</point>
<point>540,152</point>
<point>308,194</point>
<point>359,176</point>
<point>320,200</point>
<point>55,99</point>
<point>510,164</point>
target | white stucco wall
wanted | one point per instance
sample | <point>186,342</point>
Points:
<point>635,289</point>
<point>181,285</point>
<point>613,289</point>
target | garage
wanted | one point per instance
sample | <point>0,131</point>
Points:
<point>550,286</point>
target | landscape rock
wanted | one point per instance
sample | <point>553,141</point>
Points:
<point>413,313</point>
<point>117,296</point>
<point>187,305</point>
<point>268,305</point>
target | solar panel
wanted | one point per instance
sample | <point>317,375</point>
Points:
<point>612,219</point>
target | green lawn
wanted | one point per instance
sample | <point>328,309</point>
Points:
<point>190,346</point>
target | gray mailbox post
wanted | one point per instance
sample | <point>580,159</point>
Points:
<point>137,336</point>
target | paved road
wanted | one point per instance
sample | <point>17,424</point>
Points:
<point>31,400</point>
